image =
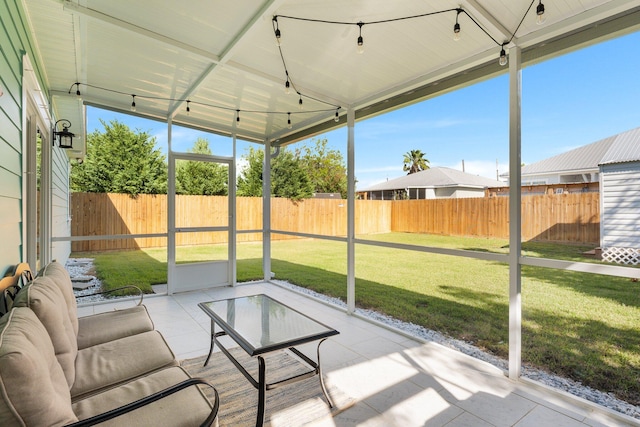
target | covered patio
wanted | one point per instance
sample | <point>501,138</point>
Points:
<point>276,72</point>
<point>394,379</point>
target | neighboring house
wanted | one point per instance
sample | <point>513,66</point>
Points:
<point>433,183</point>
<point>613,165</point>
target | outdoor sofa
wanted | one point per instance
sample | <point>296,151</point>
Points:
<point>109,369</point>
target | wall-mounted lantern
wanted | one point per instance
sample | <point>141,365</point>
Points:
<point>64,138</point>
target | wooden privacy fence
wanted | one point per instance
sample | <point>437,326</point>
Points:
<point>560,218</point>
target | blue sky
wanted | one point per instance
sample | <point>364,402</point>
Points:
<point>567,102</point>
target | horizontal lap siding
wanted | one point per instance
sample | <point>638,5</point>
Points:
<point>10,138</point>
<point>621,205</point>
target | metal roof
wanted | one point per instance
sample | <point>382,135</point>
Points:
<point>624,147</point>
<point>436,177</point>
<point>222,55</point>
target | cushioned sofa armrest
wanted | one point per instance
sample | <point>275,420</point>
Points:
<point>100,418</point>
<point>140,293</point>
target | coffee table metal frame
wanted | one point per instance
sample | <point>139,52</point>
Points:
<point>261,385</point>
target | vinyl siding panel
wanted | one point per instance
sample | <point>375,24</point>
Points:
<point>15,42</point>
<point>621,205</point>
<point>60,225</point>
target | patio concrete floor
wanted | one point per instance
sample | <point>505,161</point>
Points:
<point>397,381</point>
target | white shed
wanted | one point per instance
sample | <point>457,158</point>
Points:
<point>620,200</point>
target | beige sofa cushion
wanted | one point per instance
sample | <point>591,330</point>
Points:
<point>45,299</point>
<point>112,325</point>
<point>108,364</point>
<point>33,390</point>
<point>188,407</point>
<point>60,276</point>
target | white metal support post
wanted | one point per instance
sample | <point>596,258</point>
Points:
<point>233,227</point>
<point>351,187</point>
<point>171,217</point>
<point>266,212</point>
<point>515,213</point>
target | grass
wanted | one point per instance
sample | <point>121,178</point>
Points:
<point>577,325</point>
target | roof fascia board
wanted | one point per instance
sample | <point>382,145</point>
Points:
<point>94,14</point>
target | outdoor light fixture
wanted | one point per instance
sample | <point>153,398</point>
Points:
<point>133,103</point>
<point>289,121</point>
<point>64,137</point>
<point>456,27</point>
<point>540,19</point>
<point>360,47</point>
<point>503,57</point>
<point>276,30</point>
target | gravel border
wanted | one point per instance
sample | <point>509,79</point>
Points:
<point>84,267</point>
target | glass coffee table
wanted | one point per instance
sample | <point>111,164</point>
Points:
<point>260,325</point>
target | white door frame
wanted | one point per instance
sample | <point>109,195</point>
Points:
<point>199,275</point>
<point>35,117</point>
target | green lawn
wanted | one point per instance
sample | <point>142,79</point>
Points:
<point>577,325</point>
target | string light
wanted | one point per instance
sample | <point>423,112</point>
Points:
<point>540,18</point>
<point>289,121</point>
<point>189,102</point>
<point>287,87</point>
<point>277,30</point>
<point>337,116</point>
<point>133,103</point>
<point>456,27</point>
<point>503,57</point>
<point>300,103</point>
<point>360,48</point>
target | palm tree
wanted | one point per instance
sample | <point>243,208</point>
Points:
<point>414,161</point>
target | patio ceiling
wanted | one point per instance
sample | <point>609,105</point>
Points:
<point>222,55</point>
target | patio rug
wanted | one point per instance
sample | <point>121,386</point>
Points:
<point>293,405</point>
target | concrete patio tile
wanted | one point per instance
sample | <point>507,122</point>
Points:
<point>541,416</point>
<point>468,420</point>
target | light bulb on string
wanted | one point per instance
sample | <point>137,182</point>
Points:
<point>456,27</point>
<point>300,103</point>
<point>237,116</point>
<point>133,103</point>
<point>337,116</point>
<point>78,94</point>
<point>360,47</point>
<point>188,109</point>
<point>503,57</point>
<point>289,121</point>
<point>287,87</point>
<point>540,18</point>
<point>277,31</point>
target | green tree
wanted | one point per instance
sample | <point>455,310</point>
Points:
<point>250,179</point>
<point>288,176</point>
<point>326,168</point>
<point>201,178</point>
<point>414,161</point>
<point>120,161</point>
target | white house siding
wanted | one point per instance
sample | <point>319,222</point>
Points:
<point>620,214</point>
<point>15,42</point>
<point>60,221</point>
<point>10,137</point>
